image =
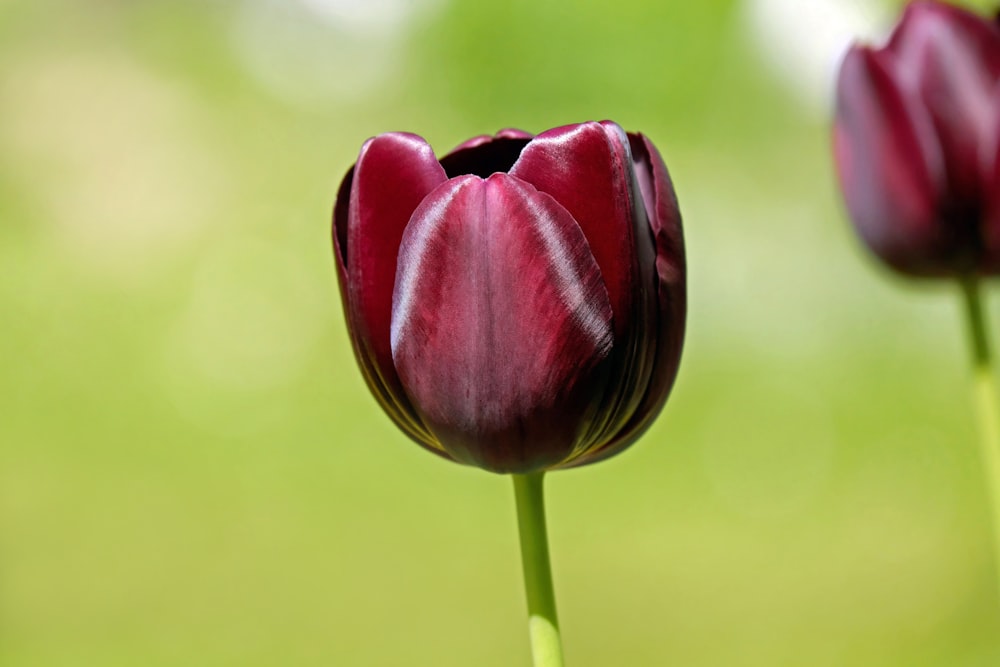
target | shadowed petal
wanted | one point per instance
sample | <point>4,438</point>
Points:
<point>890,166</point>
<point>657,193</point>
<point>341,207</point>
<point>664,213</point>
<point>506,133</point>
<point>393,174</point>
<point>635,350</point>
<point>394,403</point>
<point>486,154</point>
<point>500,323</point>
<point>952,57</point>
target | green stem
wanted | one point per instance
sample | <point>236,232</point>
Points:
<point>543,626</point>
<point>986,403</point>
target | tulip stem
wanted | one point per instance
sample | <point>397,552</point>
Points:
<point>543,626</point>
<point>986,403</point>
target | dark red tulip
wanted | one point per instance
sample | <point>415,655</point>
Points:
<point>519,304</point>
<point>915,139</point>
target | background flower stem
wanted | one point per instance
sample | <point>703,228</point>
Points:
<point>543,626</point>
<point>986,403</point>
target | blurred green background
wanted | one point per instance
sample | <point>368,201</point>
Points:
<point>193,473</point>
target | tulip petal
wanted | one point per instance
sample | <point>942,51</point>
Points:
<point>486,154</point>
<point>660,201</point>
<point>636,353</point>
<point>664,213</point>
<point>341,208</point>
<point>579,166</point>
<point>500,323</point>
<point>890,166</point>
<point>393,174</point>
<point>952,56</point>
<point>393,402</point>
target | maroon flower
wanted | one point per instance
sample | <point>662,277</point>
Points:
<point>518,305</point>
<point>915,140</point>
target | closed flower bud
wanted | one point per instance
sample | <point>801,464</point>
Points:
<point>916,142</point>
<point>519,304</point>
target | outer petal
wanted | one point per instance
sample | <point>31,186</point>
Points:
<point>952,57</point>
<point>588,168</point>
<point>636,354</point>
<point>393,174</point>
<point>890,167</point>
<point>580,168</point>
<point>341,206</point>
<point>657,193</point>
<point>485,154</point>
<point>501,323</point>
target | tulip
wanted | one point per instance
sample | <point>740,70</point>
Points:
<point>519,304</point>
<point>915,141</point>
<point>917,145</point>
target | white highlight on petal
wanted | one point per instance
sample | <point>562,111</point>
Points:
<point>573,294</point>
<point>574,284</point>
<point>406,283</point>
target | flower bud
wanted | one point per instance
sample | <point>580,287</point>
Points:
<point>519,304</point>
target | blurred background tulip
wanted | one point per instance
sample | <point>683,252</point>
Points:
<point>192,471</point>
<point>916,139</point>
